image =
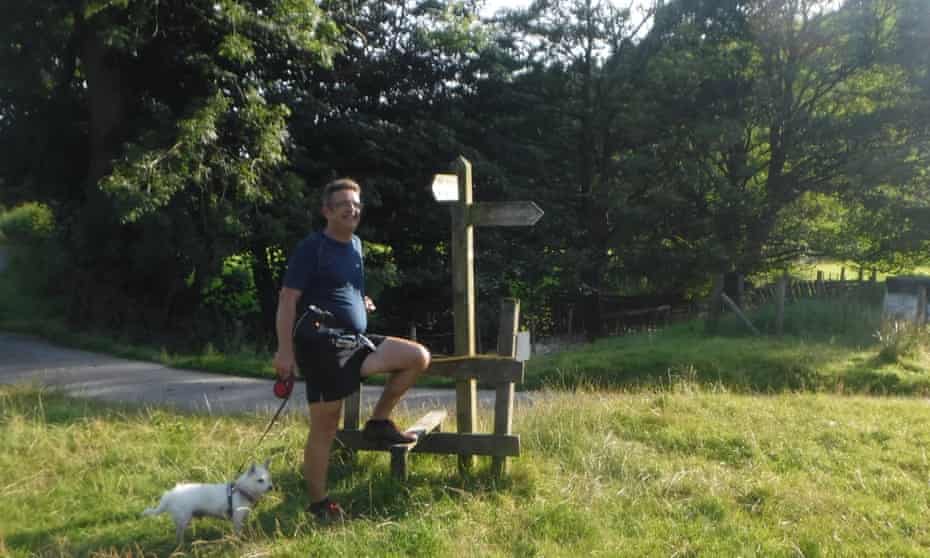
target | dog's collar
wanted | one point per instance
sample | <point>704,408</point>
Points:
<point>230,488</point>
<point>229,491</point>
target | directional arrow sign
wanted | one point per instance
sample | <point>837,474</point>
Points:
<point>504,214</point>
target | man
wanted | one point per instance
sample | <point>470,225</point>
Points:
<point>327,271</point>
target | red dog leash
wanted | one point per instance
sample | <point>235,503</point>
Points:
<point>282,390</point>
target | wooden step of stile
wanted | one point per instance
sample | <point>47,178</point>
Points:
<point>428,423</point>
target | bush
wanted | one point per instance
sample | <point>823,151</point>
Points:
<point>36,261</point>
<point>28,223</point>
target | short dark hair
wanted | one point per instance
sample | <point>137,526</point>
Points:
<point>338,185</point>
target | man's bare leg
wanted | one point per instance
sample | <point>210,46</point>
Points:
<point>404,360</point>
<point>324,423</point>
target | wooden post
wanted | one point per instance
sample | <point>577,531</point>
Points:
<point>503,400</point>
<point>430,422</point>
<point>780,304</point>
<point>463,305</point>
<point>842,274</point>
<point>921,317</point>
<point>714,304</point>
<point>819,286</point>
<point>350,421</point>
<point>741,289</point>
<point>732,305</point>
<point>860,274</point>
<point>350,411</point>
<point>466,215</point>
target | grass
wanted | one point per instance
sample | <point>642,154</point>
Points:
<point>830,345</point>
<point>832,269</point>
<point>685,470</point>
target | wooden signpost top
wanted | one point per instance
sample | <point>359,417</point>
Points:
<point>456,191</point>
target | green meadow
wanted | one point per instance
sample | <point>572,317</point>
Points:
<point>682,470</point>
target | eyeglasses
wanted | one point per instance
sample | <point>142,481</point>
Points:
<point>345,204</point>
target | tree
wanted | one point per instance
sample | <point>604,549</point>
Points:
<point>804,100</point>
<point>169,141</point>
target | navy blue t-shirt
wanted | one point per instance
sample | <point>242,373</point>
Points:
<point>331,275</point>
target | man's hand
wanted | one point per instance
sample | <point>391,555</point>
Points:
<point>369,305</point>
<point>284,364</point>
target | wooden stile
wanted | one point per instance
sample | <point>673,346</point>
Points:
<point>503,399</point>
<point>465,366</point>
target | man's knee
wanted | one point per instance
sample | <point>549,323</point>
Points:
<point>422,359</point>
<point>324,421</point>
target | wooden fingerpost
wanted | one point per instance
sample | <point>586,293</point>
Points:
<point>463,304</point>
<point>503,401</point>
<point>456,190</point>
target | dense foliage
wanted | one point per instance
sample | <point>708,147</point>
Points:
<point>177,148</point>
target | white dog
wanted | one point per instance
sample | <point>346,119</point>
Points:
<point>230,501</point>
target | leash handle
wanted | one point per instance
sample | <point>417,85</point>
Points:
<point>283,387</point>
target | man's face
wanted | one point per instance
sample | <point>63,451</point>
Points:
<point>343,210</point>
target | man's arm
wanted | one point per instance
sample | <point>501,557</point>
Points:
<point>284,325</point>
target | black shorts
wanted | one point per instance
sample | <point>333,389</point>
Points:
<point>330,360</point>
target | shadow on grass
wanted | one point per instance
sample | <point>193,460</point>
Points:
<point>365,488</point>
<point>122,531</point>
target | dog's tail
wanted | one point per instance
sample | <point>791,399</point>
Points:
<point>156,510</point>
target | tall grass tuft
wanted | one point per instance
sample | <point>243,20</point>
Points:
<point>898,339</point>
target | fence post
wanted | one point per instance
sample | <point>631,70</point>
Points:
<point>780,304</point>
<point>503,399</point>
<point>921,317</point>
<point>735,308</point>
<point>715,302</point>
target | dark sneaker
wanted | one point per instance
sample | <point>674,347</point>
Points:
<point>385,432</point>
<point>326,511</point>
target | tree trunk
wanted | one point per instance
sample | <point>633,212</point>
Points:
<point>266,290</point>
<point>106,102</point>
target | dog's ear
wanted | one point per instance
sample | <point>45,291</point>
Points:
<point>252,469</point>
<point>267,463</point>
